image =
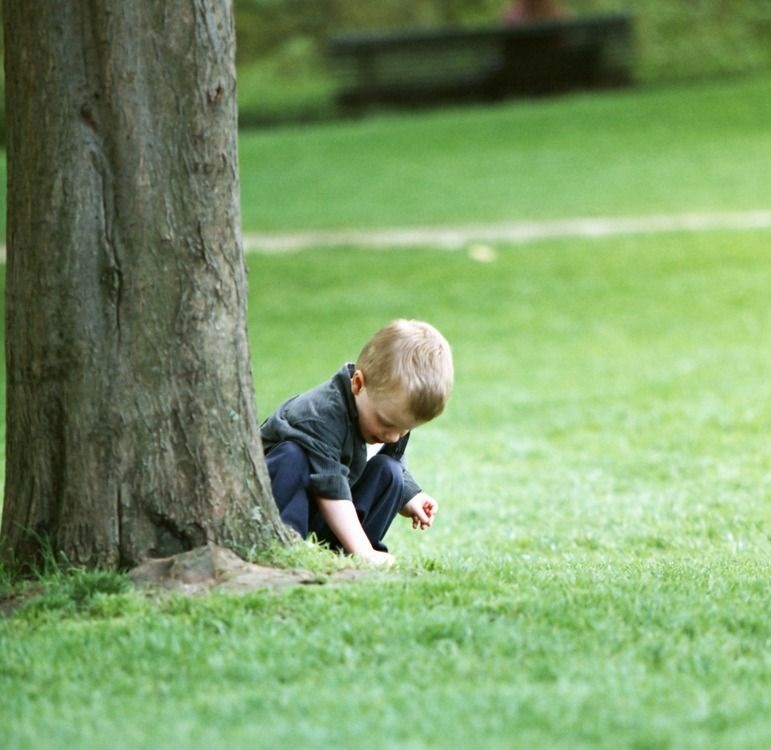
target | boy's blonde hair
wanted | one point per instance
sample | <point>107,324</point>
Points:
<point>412,357</point>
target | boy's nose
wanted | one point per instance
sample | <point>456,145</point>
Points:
<point>391,437</point>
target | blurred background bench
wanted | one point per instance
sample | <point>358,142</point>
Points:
<point>427,67</point>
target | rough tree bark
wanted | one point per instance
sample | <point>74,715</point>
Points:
<point>131,424</point>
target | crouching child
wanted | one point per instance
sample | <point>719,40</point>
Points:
<point>336,454</point>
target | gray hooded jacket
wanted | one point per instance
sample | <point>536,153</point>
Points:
<point>324,423</point>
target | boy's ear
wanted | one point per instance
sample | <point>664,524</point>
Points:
<point>357,382</point>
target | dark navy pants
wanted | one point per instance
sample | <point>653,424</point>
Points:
<point>377,495</point>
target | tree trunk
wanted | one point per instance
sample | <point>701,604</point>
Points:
<point>131,424</point>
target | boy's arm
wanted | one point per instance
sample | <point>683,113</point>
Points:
<point>342,519</point>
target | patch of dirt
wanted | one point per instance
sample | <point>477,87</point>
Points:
<point>9,604</point>
<point>214,568</point>
<point>518,232</point>
<point>453,237</point>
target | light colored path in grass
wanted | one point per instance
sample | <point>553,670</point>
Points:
<point>521,232</point>
<point>453,238</point>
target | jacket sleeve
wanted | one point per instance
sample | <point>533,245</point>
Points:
<point>411,487</point>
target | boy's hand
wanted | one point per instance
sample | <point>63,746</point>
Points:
<point>376,557</point>
<point>421,509</point>
<point>342,518</point>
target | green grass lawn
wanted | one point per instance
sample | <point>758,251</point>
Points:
<point>694,148</point>
<point>698,148</point>
<point>600,571</point>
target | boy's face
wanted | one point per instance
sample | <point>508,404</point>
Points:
<point>383,418</point>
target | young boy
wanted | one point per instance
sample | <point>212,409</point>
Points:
<point>335,454</point>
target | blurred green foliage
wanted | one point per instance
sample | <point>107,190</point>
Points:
<point>677,38</point>
<point>694,39</point>
<point>266,27</point>
<point>281,42</point>
<point>283,75</point>
<point>280,47</point>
